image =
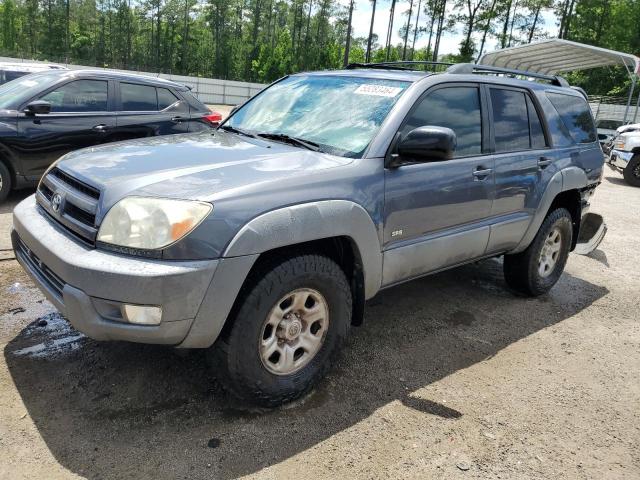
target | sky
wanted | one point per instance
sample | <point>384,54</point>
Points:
<point>450,42</point>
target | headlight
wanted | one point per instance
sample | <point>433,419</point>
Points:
<point>151,223</point>
<point>620,143</point>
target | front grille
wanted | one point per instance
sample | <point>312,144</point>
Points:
<point>71,203</point>
<point>50,279</point>
<point>75,184</point>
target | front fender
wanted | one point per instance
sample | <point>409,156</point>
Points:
<point>314,221</point>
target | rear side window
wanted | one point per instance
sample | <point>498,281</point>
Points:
<point>575,115</point>
<point>165,98</point>
<point>195,104</point>
<point>138,98</point>
<point>535,126</point>
<point>510,120</point>
<point>79,96</point>
<point>457,108</point>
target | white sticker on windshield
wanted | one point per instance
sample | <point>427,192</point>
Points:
<point>378,90</point>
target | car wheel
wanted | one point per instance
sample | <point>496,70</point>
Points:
<point>632,172</point>
<point>538,268</point>
<point>5,181</point>
<point>287,330</point>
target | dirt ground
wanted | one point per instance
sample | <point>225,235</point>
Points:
<point>452,376</point>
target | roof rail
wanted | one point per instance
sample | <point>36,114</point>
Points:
<point>468,68</point>
<point>396,65</point>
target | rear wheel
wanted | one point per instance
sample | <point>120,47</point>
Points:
<point>537,269</point>
<point>5,181</point>
<point>632,171</point>
<point>287,331</point>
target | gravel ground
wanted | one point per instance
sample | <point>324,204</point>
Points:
<point>452,376</point>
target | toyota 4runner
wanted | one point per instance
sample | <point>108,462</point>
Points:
<point>262,240</point>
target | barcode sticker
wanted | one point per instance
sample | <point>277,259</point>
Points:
<point>378,90</point>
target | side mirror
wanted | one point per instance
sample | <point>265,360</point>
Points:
<point>426,144</point>
<point>38,107</point>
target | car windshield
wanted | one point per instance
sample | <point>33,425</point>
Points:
<point>15,92</point>
<point>608,124</point>
<point>338,114</point>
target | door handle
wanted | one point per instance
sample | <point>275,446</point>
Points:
<point>101,128</point>
<point>544,162</point>
<point>482,173</point>
<point>177,119</point>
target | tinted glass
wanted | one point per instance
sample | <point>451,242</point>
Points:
<point>510,120</point>
<point>339,113</point>
<point>195,104</point>
<point>457,108</point>
<point>575,115</point>
<point>535,126</point>
<point>609,124</point>
<point>14,93</point>
<point>11,75</point>
<point>79,96</point>
<point>165,98</point>
<point>138,98</point>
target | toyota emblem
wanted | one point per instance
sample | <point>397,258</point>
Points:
<point>56,201</point>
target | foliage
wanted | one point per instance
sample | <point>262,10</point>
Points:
<point>261,40</point>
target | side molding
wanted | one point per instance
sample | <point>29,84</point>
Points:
<point>314,221</point>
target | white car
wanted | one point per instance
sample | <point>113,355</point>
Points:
<point>607,129</point>
<point>624,155</point>
<point>11,71</point>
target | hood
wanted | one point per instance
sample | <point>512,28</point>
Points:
<point>193,166</point>
<point>628,128</point>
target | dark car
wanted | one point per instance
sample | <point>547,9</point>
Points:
<point>47,114</point>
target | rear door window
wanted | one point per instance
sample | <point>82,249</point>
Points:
<point>510,120</point>
<point>457,108</point>
<point>79,96</point>
<point>575,115</point>
<point>138,98</point>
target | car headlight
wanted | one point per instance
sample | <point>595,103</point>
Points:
<point>620,143</point>
<point>151,223</point>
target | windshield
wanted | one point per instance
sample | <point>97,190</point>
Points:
<point>13,93</point>
<point>339,114</point>
<point>608,124</point>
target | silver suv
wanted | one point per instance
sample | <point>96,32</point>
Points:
<point>262,240</point>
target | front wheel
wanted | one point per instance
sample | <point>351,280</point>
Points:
<point>537,269</point>
<point>5,181</point>
<point>631,172</point>
<point>288,329</point>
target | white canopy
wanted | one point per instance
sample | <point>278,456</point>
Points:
<point>556,55</point>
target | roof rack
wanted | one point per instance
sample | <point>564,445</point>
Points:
<point>397,65</point>
<point>468,68</point>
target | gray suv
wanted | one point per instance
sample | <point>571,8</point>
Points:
<point>262,240</point>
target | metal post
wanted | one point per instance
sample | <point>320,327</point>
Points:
<point>633,86</point>
<point>635,114</point>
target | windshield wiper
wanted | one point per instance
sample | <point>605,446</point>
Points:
<point>229,128</point>
<point>282,137</point>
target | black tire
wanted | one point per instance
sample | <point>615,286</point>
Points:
<point>632,171</point>
<point>5,181</point>
<point>521,270</point>
<point>235,357</point>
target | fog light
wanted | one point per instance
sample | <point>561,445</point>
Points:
<point>142,315</point>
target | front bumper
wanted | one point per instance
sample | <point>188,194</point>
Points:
<point>619,159</point>
<point>89,285</point>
